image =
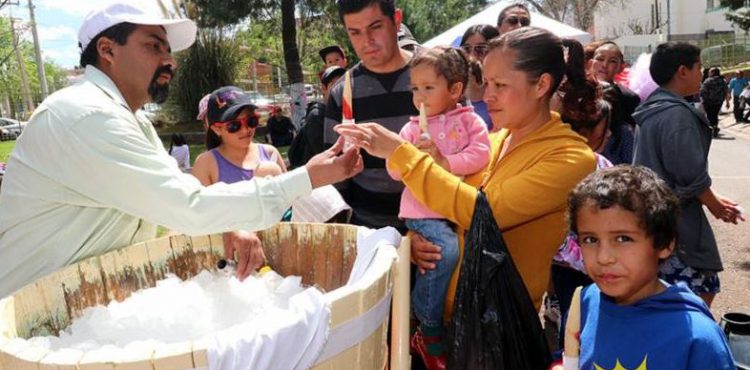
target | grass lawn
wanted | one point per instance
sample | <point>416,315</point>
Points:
<point>5,148</point>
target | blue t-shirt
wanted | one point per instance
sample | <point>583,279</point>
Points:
<point>737,84</point>
<point>671,330</point>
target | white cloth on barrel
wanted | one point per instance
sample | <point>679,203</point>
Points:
<point>276,339</point>
<point>300,336</point>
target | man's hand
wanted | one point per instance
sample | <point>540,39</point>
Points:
<point>332,166</point>
<point>247,249</point>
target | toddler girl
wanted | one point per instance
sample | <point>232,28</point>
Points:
<point>457,140</point>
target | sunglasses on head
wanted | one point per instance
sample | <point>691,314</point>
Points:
<point>478,50</point>
<point>237,123</point>
<point>514,20</point>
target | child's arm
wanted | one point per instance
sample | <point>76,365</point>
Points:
<point>476,155</point>
<point>410,132</point>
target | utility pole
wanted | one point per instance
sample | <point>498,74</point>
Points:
<point>669,20</point>
<point>39,62</point>
<point>25,91</point>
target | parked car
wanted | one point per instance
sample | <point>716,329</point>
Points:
<point>11,129</point>
<point>311,93</point>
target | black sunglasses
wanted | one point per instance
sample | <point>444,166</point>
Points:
<point>478,50</point>
<point>235,124</point>
<point>513,20</point>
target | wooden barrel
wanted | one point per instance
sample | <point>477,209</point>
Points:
<point>322,255</point>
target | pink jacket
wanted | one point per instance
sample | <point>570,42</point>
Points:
<point>461,137</point>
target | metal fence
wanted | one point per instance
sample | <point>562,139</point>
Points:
<point>725,50</point>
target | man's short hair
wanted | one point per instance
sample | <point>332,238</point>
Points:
<point>715,72</point>
<point>504,12</point>
<point>118,33</point>
<point>668,58</point>
<point>388,7</point>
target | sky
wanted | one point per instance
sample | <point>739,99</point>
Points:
<point>58,22</point>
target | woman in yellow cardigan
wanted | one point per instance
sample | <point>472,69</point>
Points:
<point>536,159</point>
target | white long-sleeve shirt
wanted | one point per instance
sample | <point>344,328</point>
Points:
<point>88,176</point>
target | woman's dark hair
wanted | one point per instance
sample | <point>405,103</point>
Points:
<point>669,56</point>
<point>118,33</point>
<point>212,139</point>
<point>448,62</point>
<point>177,140</point>
<point>634,188</point>
<point>536,52</point>
<point>579,92</point>
<point>388,7</point>
<point>487,31</point>
<point>504,12</point>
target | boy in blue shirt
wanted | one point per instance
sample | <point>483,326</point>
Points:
<point>625,219</point>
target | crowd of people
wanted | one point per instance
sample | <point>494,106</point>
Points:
<point>591,186</point>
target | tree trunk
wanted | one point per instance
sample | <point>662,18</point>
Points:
<point>291,59</point>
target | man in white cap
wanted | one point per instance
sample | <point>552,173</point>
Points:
<point>90,174</point>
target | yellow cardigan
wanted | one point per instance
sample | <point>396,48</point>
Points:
<point>527,190</point>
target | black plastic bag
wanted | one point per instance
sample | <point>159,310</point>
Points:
<point>495,324</point>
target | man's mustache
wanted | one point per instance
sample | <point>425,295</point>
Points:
<point>163,70</point>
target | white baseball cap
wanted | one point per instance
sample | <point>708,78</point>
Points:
<point>180,32</point>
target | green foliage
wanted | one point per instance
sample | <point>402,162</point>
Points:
<point>429,18</point>
<point>213,61</point>
<point>219,13</point>
<point>732,4</point>
<point>10,75</point>
<point>740,17</point>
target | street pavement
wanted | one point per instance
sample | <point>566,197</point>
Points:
<point>729,166</point>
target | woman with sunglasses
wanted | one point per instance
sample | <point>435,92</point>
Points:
<point>232,156</point>
<point>474,44</point>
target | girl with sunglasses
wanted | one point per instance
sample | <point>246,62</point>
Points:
<point>232,156</point>
<point>474,45</point>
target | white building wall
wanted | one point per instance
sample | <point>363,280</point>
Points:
<point>688,17</point>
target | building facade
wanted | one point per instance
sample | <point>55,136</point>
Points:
<point>640,25</point>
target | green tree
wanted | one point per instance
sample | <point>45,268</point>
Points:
<point>429,18</point>
<point>213,61</point>
<point>11,97</point>
<point>739,13</point>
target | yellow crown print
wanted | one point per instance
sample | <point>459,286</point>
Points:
<point>618,365</point>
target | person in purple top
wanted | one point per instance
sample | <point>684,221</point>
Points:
<point>232,156</point>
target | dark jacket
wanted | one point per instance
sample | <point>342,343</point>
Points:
<point>673,140</point>
<point>309,140</point>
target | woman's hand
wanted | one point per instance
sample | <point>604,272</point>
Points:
<point>372,137</point>
<point>423,253</point>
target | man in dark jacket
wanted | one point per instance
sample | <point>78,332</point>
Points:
<point>714,92</point>
<point>673,140</point>
<point>281,128</point>
<point>309,140</point>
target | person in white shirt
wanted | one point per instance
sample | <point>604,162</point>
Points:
<point>180,151</point>
<point>90,174</point>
